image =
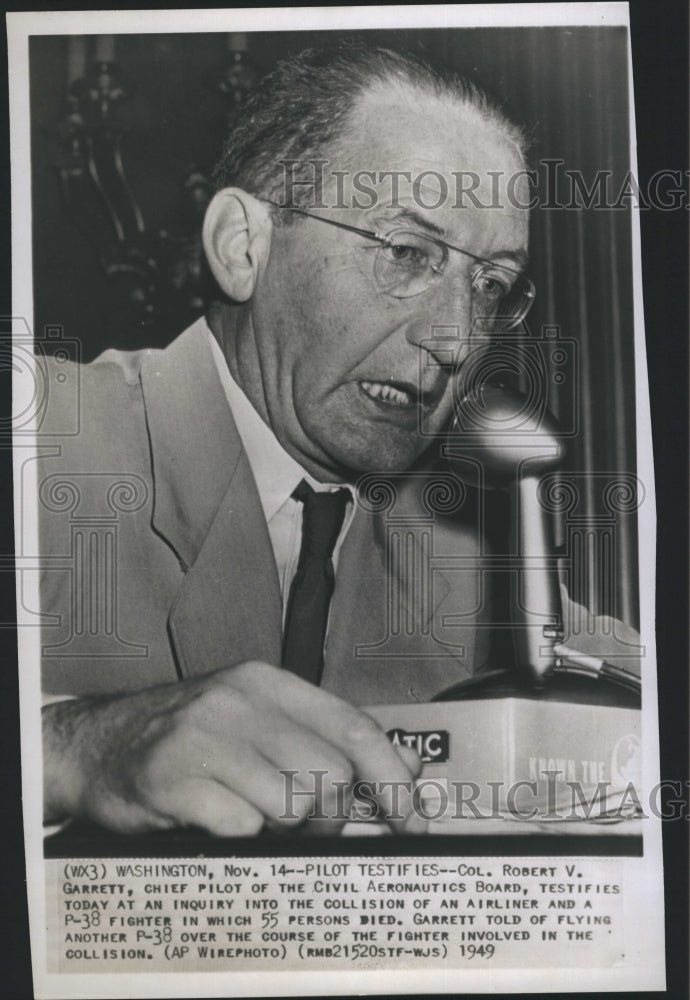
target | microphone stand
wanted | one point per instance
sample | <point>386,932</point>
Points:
<point>516,444</point>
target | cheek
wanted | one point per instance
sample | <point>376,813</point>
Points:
<point>335,334</point>
<point>290,324</point>
<point>323,319</point>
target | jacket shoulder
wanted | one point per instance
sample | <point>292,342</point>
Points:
<point>118,365</point>
<point>95,411</point>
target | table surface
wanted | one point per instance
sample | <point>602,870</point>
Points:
<point>471,837</point>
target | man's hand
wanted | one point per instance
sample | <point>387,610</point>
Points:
<point>209,752</point>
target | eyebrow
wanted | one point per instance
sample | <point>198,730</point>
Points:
<point>409,213</point>
<point>519,257</point>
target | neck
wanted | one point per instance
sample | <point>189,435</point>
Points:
<point>232,328</point>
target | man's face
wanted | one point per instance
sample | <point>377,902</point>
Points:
<point>350,375</point>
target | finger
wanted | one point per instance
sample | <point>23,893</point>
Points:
<point>282,794</point>
<point>416,823</point>
<point>411,758</point>
<point>375,761</point>
<point>213,807</point>
<point>286,770</point>
<point>311,706</point>
<point>361,740</point>
<point>229,752</point>
<point>316,777</point>
<point>356,735</point>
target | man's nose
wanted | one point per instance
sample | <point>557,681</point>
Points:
<point>443,334</point>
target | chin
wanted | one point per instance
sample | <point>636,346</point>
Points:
<point>379,458</point>
<point>351,449</point>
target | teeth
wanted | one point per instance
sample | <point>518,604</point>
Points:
<point>386,393</point>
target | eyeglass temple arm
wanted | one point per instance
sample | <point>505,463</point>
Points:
<point>331,222</point>
<point>383,240</point>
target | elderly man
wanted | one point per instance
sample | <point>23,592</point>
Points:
<point>354,252</point>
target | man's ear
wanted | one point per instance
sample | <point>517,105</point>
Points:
<point>237,240</point>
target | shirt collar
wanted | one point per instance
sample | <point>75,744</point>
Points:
<point>276,473</point>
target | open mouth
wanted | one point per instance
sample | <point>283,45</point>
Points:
<point>390,393</point>
<point>401,395</point>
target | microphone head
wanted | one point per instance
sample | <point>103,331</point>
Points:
<point>510,435</point>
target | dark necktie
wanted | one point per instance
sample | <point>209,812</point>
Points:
<point>312,587</point>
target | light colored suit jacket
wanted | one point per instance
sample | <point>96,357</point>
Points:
<point>157,564</point>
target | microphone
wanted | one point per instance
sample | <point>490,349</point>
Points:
<point>515,443</point>
<point>574,707</point>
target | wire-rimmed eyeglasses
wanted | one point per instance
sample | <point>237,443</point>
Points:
<point>409,263</point>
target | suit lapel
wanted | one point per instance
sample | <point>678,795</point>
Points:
<point>207,508</point>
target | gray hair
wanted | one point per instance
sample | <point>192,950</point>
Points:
<point>301,110</point>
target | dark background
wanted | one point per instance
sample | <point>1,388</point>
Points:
<point>659,39</point>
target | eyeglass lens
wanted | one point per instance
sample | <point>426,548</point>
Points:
<point>408,263</point>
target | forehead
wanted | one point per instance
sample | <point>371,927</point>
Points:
<point>447,147</point>
<point>396,121</point>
